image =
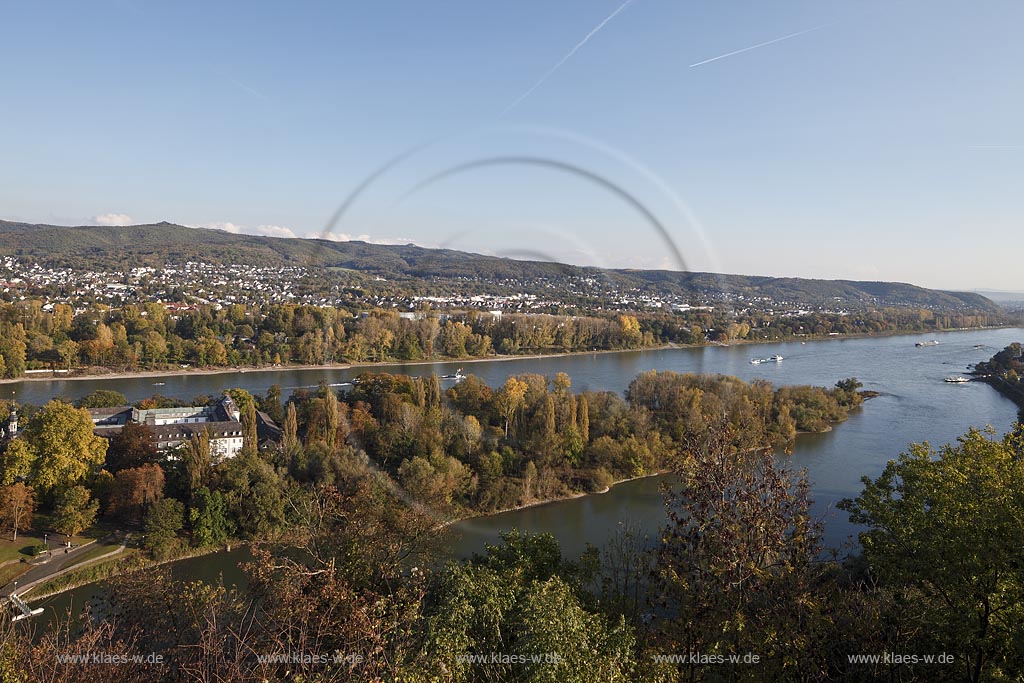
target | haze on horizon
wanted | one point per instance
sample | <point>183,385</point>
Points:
<point>819,139</point>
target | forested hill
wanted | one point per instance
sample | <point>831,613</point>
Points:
<point>121,248</point>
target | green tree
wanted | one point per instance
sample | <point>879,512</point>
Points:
<point>196,461</point>
<point>250,441</point>
<point>102,398</point>
<point>209,519</point>
<point>254,493</point>
<point>74,511</point>
<point>271,404</point>
<point>163,523</point>
<point>945,530</point>
<point>553,623</point>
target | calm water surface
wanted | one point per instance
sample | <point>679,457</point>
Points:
<point>914,405</point>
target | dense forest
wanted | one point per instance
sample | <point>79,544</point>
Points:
<point>166,336</point>
<point>347,583</point>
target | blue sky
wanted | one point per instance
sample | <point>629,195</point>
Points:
<point>885,143</point>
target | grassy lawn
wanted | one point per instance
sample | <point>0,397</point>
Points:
<point>97,550</point>
<point>10,572</point>
<point>16,550</point>
<point>12,550</point>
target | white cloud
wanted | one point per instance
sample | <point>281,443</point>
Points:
<point>274,231</point>
<point>264,230</point>
<point>113,219</point>
<point>346,237</point>
<point>226,227</point>
<point>269,230</point>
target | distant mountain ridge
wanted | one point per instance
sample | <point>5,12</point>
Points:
<point>121,248</point>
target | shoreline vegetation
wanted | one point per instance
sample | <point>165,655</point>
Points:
<point>476,451</point>
<point>101,372</point>
<point>110,566</point>
<point>111,561</point>
<point>1004,372</point>
<point>865,395</point>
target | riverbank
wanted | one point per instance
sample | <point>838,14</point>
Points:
<point>107,373</point>
<point>115,568</point>
<point>549,501</point>
<point>369,365</point>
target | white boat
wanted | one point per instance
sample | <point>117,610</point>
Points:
<point>775,359</point>
<point>458,376</point>
<point>756,361</point>
<point>159,384</point>
<point>958,379</point>
<point>932,342</point>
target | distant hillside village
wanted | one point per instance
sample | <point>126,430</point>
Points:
<point>91,312</point>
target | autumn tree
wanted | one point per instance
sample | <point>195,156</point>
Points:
<point>583,418</point>
<point>132,446</point>
<point>135,490</point>
<point>736,565</point>
<point>522,598</point>
<point>17,504</point>
<point>64,448</point>
<point>511,399</point>
<point>290,443</point>
<point>16,461</point>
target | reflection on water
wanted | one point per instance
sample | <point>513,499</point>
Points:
<point>215,568</point>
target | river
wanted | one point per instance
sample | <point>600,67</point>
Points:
<point>914,405</point>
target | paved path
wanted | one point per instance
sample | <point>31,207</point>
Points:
<point>53,566</point>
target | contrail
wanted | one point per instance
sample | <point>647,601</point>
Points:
<point>564,59</point>
<point>770,42</point>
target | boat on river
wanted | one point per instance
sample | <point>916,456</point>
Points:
<point>957,379</point>
<point>457,377</point>
<point>932,342</point>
